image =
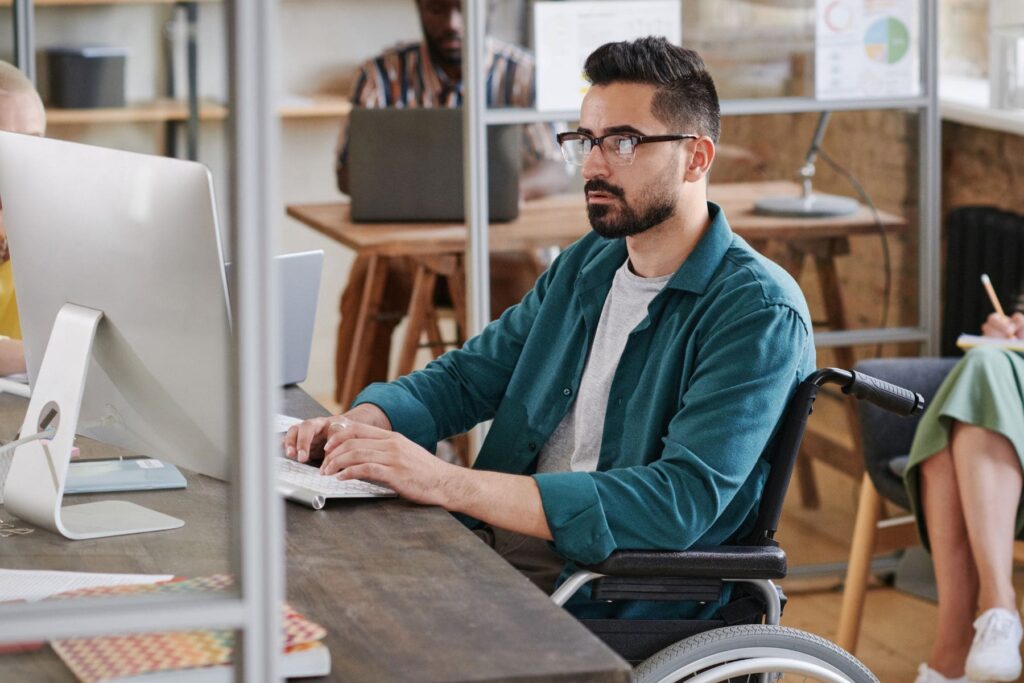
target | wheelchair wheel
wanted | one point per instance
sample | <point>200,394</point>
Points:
<point>754,652</point>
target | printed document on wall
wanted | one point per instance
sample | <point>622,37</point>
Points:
<point>867,48</point>
<point>565,33</point>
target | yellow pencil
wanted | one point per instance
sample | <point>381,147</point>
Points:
<point>987,284</point>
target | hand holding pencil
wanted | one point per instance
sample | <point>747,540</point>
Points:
<point>999,324</point>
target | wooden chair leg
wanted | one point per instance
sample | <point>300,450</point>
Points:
<point>356,363</point>
<point>1018,552</point>
<point>417,318</point>
<point>457,289</point>
<point>865,533</point>
<point>434,338</point>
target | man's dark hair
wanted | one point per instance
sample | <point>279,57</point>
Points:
<point>685,98</point>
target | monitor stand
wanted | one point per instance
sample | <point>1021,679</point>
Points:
<point>35,483</point>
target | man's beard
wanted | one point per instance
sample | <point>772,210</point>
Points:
<point>439,56</point>
<point>656,207</point>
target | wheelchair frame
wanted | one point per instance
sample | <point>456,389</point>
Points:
<point>765,649</point>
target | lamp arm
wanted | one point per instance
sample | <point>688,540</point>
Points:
<point>807,170</point>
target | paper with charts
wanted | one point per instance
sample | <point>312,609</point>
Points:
<point>565,33</point>
<point>867,48</point>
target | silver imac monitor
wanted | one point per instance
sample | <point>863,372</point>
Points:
<point>124,311</point>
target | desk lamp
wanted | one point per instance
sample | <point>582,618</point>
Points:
<point>809,204</point>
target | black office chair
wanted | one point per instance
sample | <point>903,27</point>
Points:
<point>886,441</point>
<point>744,639</point>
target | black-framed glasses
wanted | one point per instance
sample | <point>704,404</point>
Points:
<point>618,148</point>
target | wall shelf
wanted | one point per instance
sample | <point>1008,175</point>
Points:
<point>158,111</point>
<point>966,100</point>
<point>163,111</point>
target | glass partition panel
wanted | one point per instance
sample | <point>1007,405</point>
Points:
<point>124,248</point>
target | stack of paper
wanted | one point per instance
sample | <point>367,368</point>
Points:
<point>31,585</point>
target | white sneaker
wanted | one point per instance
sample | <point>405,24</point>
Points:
<point>926,674</point>
<point>995,653</point>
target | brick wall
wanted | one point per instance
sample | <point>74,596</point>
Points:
<point>982,166</point>
<point>879,149</point>
<point>979,166</point>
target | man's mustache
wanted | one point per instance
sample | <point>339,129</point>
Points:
<point>603,186</point>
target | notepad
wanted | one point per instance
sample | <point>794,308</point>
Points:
<point>196,656</point>
<point>969,341</point>
<point>122,474</point>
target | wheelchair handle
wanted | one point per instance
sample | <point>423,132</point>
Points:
<point>887,396</point>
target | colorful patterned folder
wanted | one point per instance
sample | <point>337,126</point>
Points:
<point>107,658</point>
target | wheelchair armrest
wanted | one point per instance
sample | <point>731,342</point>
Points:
<point>712,562</point>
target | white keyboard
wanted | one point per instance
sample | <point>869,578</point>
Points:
<point>305,484</point>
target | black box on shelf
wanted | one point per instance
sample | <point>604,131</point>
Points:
<point>86,77</point>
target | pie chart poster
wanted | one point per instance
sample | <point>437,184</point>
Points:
<point>866,48</point>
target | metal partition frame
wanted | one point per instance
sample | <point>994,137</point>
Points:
<point>929,159</point>
<point>24,37</point>
<point>258,550</point>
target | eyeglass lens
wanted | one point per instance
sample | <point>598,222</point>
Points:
<point>618,148</point>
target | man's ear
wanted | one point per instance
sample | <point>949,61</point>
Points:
<point>700,161</point>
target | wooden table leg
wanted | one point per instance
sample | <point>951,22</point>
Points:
<point>457,289</point>
<point>357,362</point>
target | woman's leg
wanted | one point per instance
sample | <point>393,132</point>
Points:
<point>955,574</point>
<point>988,474</point>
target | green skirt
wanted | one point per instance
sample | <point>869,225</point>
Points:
<point>986,389</point>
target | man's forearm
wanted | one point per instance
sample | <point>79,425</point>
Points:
<point>507,501</point>
<point>369,414</point>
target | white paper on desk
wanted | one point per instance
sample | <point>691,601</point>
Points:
<point>32,584</point>
<point>866,48</point>
<point>566,32</point>
<point>282,423</point>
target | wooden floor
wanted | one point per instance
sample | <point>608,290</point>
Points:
<point>897,628</point>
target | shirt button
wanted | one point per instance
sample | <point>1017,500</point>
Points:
<point>532,446</point>
<point>567,392</point>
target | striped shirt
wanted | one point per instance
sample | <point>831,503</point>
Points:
<point>405,77</point>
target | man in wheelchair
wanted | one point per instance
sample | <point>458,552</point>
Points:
<point>637,391</point>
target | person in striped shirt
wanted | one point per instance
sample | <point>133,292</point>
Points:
<point>429,74</point>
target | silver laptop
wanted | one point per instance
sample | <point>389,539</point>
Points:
<point>298,276</point>
<point>406,165</point>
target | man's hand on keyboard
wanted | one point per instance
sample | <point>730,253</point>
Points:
<point>305,441</point>
<point>360,451</point>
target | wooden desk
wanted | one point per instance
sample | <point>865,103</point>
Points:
<point>559,220</point>
<point>405,592</point>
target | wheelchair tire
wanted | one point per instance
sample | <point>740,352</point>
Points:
<point>703,653</point>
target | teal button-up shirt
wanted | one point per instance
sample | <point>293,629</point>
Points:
<point>694,404</point>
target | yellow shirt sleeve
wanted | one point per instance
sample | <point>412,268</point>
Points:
<point>10,325</point>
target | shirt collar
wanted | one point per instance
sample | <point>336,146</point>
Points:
<point>696,271</point>
<point>698,268</point>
